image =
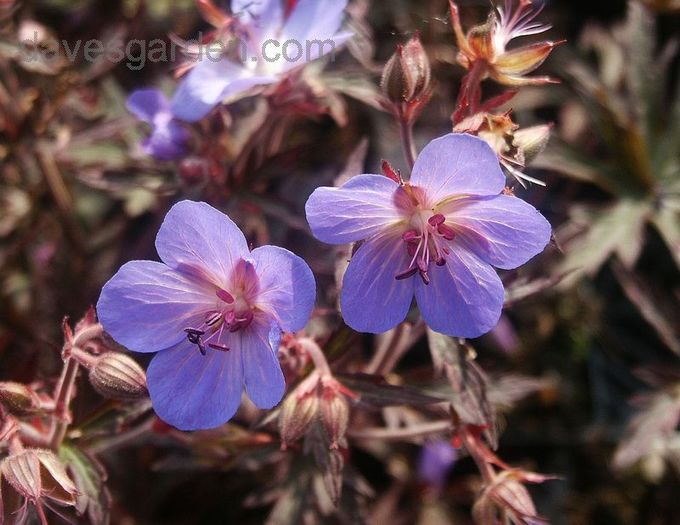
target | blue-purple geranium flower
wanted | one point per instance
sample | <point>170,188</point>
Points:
<point>435,460</point>
<point>268,43</point>
<point>168,139</point>
<point>214,312</point>
<point>437,236</point>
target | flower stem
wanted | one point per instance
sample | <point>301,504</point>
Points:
<point>316,354</point>
<point>402,433</point>
<point>406,132</point>
<point>63,395</point>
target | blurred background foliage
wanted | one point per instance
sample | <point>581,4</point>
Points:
<point>585,373</point>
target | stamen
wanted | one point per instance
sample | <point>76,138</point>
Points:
<point>410,235</point>
<point>213,318</point>
<point>225,296</point>
<point>218,346</point>
<point>446,231</point>
<point>194,337</point>
<point>405,275</point>
<point>436,220</point>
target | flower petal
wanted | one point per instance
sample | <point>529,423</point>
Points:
<point>210,82</point>
<point>196,238</point>
<point>167,141</point>
<point>524,59</point>
<point>314,20</point>
<point>464,297</point>
<point>264,18</point>
<point>504,231</point>
<point>372,299</point>
<point>192,391</point>
<point>264,380</point>
<point>145,104</point>
<point>354,211</point>
<point>457,164</point>
<point>287,289</point>
<point>146,306</point>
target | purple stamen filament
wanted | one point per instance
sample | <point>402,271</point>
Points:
<point>426,244</point>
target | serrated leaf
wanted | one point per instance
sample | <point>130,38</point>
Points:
<point>90,478</point>
<point>617,229</point>
<point>667,222</point>
<point>469,383</point>
<point>650,307</point>
<point>375,391</point>
<point>329,461</point>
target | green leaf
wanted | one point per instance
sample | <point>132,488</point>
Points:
<point>667,222</point>
<point>618,229</point>
<point>90,478</point>
<point>468,380</point>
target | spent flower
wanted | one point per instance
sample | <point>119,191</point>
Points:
<point>313,26</point>
<point>437,236</point>
<point>214,312</point>
<point>38,476</point>
<point>515,147</point>
<point>485,46</point>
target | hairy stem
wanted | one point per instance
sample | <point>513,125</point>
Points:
<point>406,132</point>
<point>316,354</point>
<point>63,395</point>
<point>401,433</point>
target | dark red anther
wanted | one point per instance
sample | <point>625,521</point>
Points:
<point>410,235</point>
<point>391,173</point>
<point>225,296</point>
<point>436,220</point>
<point>440,261</point>
<point>220,347</point>
<point>446,231</point>
<point>405,275</point>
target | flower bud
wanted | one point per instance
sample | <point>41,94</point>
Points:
<point>37,474</point>
<point>117,376</point>
<point>18,398</point>
<point>407,75</point>
<point>334,415</point>
<point>532,141</point>
<point>297,413</point>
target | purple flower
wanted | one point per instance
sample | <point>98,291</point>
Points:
<point>435,461</point>
<point>436,236</point>
<point>214,312</point>
<point>168,138</point>
<point>270,45</point>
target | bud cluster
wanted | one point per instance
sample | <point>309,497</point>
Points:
<point>318,399</point>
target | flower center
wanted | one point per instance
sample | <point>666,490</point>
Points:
<point>426,241</point>
<point>232,314</point>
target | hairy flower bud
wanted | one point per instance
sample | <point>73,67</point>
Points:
<point>18,398</point>
<point>334,415</point>
<point>297,414</point>
<point>36,474</point>
<point>532,141</point>
<point>407,75</point>
<point>117,376</point>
